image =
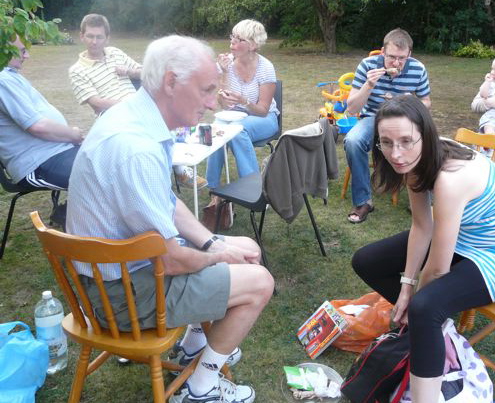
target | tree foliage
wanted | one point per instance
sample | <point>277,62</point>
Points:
<point>156,17</point>
<point>435,25</point>
<point>218,16</point>
<point>17,17</point>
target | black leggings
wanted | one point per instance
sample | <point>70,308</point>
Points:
<point>380,264</point>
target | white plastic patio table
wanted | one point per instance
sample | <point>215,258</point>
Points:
<point>193,153</point>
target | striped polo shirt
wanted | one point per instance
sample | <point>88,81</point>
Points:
<point>412,79</point>
<point>98,77</point>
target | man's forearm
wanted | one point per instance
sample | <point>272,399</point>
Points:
<point>358,98</point>
<point>134,73</point>
<point>50,130</point>
<point>189,227</point>
<point>101,104</point>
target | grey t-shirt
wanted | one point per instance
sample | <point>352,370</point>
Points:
<point>21,105</point>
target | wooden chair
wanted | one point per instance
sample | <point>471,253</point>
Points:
<point>81,324</point>
<point>466,322</point>
<point>478,140</point>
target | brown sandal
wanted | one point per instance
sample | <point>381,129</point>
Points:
<point>360,211</point>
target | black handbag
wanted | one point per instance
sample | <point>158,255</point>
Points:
<point>379,369</point>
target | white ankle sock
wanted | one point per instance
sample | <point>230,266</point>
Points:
<point>194,339</point>
<point>205,376</point>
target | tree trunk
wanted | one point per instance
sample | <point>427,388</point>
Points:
<point>489,12</point>
<point>329,12</point>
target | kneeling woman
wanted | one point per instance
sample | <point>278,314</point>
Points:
<point>453,246</point>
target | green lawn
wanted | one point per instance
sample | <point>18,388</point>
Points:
<point>304,278</point>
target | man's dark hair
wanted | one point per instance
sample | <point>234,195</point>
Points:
<point>95,20</point>
<point>399,38</point>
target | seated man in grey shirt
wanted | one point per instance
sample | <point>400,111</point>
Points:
<point>120,187</point>
<point>36,144</point>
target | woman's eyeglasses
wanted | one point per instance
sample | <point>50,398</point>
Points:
<point>236,38</point>
<point>406,144</point>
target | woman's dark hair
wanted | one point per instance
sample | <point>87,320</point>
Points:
<point>434,152</point>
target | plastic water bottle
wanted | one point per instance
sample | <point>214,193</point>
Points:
<point>48,315</point>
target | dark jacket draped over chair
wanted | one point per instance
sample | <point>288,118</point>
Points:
<point>305,159</point>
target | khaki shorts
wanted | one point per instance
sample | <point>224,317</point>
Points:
<point>190,298</point>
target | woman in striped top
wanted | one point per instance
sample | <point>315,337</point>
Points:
<point>455,251</point>
<point>248,85</point>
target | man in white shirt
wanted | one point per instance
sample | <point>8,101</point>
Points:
<point>121,187</point>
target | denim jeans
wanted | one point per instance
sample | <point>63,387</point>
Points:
<point>357,145</point>
<point>255,128</point>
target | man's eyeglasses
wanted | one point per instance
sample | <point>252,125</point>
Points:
<point>391,58</point>
<point>97,37</point>
<point>405,144</point>
<point>236,38</point>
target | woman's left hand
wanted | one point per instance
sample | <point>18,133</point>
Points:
<point>399,311</point>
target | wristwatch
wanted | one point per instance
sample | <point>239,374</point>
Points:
<point>407,280</point>
<point>208,243</point>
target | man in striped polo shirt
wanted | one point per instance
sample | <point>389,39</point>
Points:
<point>105,75</point>
<point>377,78</point>
<point>102,75</point>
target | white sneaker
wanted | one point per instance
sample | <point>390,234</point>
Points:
<point>179,356</point>
<point>225,392</point>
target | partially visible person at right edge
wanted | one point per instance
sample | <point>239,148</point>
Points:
<point>485,102</point>
<point>448,262</point>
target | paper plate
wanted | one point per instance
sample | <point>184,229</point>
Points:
<point>329,372</point>
<point>230,116</point>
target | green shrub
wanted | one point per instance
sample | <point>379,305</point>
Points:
<point>475,49</point>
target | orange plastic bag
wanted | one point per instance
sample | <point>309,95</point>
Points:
<point>369,324</point>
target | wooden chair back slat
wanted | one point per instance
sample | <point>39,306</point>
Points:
<point>161,312</point>
<point>133,316</point>
<point>66,288</point>
<point>70,248</point>
<point>107,306</point>
<point>479,140</point>
<point>83,299</point>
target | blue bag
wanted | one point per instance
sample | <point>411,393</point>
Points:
<point>23,364</point>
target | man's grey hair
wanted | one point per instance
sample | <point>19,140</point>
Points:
<point>182,55</point>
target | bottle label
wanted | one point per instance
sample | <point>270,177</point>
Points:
<point>49,329</point>
<point>49,321</point>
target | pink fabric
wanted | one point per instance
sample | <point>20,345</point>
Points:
<point>451,362</point>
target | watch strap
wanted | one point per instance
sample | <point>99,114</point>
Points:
<point>407,280</point>
<point>208,243</point>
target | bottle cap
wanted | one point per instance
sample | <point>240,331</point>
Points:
<point>46,294</point>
